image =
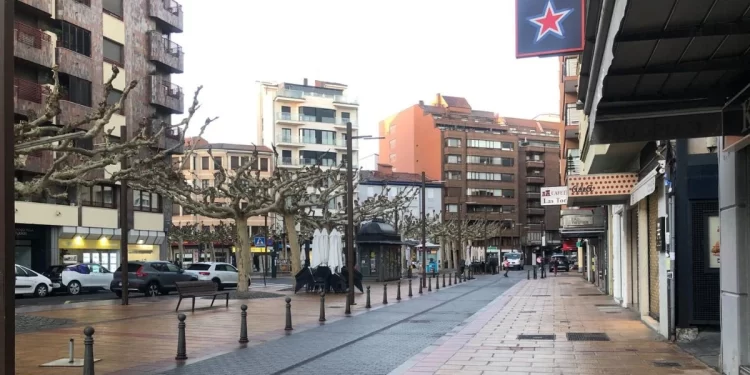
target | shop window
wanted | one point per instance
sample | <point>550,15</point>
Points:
<point>146,201</point>
<point>97,196</point>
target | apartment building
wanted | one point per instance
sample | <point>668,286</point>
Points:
<point>201,170</point>
<point>493,167</point>
<point>86,38</point>
<point>307,123</point>
<point>571,117</point>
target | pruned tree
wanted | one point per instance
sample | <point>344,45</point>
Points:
<point>79,148</point>
<point>179,234</point>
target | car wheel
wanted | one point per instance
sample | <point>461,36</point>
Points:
<point>217,282</point>
<point>118,293</point>
<point>41,290</point>
<point>152,289</point>
<point>74,288</point>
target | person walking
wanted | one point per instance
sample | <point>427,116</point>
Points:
<point>506,265</point>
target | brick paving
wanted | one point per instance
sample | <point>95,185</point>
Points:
<point>142,337</point>
<point>489,343</point>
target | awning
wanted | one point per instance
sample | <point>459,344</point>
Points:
<point>140,237</point>
<point>646,186</point>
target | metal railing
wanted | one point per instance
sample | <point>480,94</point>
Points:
<point>299,94</point>
<point>28,90</point>
<point>570,66</point>
<point>573,167</point>
<point>171,89</point>
<point>173,7</point>
<point>30,36</point>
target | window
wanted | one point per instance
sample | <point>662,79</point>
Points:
<point>345,117</point>
<point>452,175</point>
<point>489,160</point>
<point>97,196</point>
<point>113,7</point>
<point>217,162</point>
<point>392,144</point>
<point>113,52</point>
<point>204,163</point>
<point>264,164</point>
<point>75,89</point>
<point>235,162</point>
<point>146,201</point>
<point>430,193</point>
<point>392,129</point>
<point>327,159</point>
<point>318,137</point>
<point>505,193</point>
<point>453,159</point>
<point>480,143</point>
<point>286,135</point>
<point>312,114</point>
<point>451,208</point>
<point>392,157</point>
<point>487,176</point>
<point>205,184</point>
<point>452,142</point>
<point>75,39</point>
<point>113,97</point>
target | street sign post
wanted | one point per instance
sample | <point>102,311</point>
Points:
<point>259,241</point>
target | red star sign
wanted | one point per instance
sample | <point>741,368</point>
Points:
<point>550,21</point>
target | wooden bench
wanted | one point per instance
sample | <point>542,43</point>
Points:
<point>192,289</point>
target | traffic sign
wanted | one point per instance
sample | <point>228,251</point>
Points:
<point>259,241</point>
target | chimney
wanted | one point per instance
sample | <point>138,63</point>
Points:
<point>421,103</point>
<point>437,100</point>
<point>386,169</point>
<point>304,81</point>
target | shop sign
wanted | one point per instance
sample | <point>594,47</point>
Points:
<point>492,249</point>
<point>601,185</point>
<point>578,221</point>
<point>554,196</point>
<point>256,249</point>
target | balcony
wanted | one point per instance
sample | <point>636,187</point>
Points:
<point>294,96</point>
<point>43,5</point>
<point>71,112</point>
<point>166,95</point>
<point>535,163</point>
<point>533,195</point>
<point>345,101</point>
<point>75,64</point>
<point>165,52</point>
<point>286,118</point>
<point>171,138</point>
<point>32,44</point>
<point>534,180</point>
<point>533,211</point>
<point>573,167</point>
<point>570,74</point>
<point>77,12</point>
<point>168,13</point>
<point>28,98</point>
<point>288,141</point>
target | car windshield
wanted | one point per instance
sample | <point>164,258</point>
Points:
<point>199,267</point>
<point>513,256</point>
<point>132,267</point>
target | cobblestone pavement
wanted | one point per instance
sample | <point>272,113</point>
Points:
<point>33,323</point>
<point>372,343</point>
<point>548,311</point>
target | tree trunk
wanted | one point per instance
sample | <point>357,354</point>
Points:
<point>293,243</point>
<point>181,249</point>
<point>243,255</point>
<point>213,251</point>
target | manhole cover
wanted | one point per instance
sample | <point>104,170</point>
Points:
<point>419,321</point>
<point>587,336</point>
<point>536,337</point>
<point>540,295</point>
<point>666,364</point>
<point>590,294</point>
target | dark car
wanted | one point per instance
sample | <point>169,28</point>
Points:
<point>562,263</point>
<point>54,273</point>
<point>150,278</point>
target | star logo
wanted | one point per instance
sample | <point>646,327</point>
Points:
<point>550,22</point>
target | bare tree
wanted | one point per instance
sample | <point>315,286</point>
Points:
<point>179,234</point>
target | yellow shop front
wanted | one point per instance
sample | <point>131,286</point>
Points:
<point>102,245</point>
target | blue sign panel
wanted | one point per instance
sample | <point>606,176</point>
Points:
<point>259,241</point>
<point>269,242</point>
<point>549,27</point>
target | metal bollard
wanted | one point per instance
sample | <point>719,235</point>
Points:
<point>455,278</point>
<point>443,280</point>
<point>367,303</point>
<point>88,351</point>
<point>398,290</point>
<point>534,272</point>
<point>437,283</point>
<point>71,358</point>
<point>429,284</point>
<point>410,293</point>
<point>322,307</point>
<point>385,294</point>
<point>181,345</point>
<point>288,326</point>
<point>420,286</point>
<point>243,325</point>
<point>450,280</point>
<point>528,274</point>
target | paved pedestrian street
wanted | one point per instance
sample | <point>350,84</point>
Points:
<point>470,328</point>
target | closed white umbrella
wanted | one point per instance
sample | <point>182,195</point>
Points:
<point>302,255</point>
<point>315,255</point>
<point>323,248</point>
<point>335,250</point>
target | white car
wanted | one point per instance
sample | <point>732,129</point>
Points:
<point>30,282</point>
<point>223,274</point>
<point>86,276</point>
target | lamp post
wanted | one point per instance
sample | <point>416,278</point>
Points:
<point>350,213</point>
<point>424,232</point>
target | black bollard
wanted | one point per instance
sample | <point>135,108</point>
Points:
<point>437,283</point>
<point>243,325</point>
<point>398,290</point>
<point>443,280</point>
<point>385,294</point>
<point>410,294</point>
<point>429,284</point>
<point>288,326</point>
<point>367,303</point>
<point>420,286</point>
<point>534,272</point>
<point>528,274</point>
<point>455,278</point>
<point>322,307</point>
<point>450,280</point>
<point>88,351</point>
<point>181,346</point>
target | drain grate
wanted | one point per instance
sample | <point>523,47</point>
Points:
<point>590,294</point>
<point>527,312</point>
<point>420,321</point>
<point>587,336</point>
<point>536,337</point>
<point>666,364</point>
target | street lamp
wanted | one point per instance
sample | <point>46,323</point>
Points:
<point>350,213</point>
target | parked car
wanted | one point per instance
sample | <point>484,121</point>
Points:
<point>150,278</point>
<point>30,282</point>
<point>54,273</point>
<point>222,274</point>
<point>562,263</point>
<point>85,277</point>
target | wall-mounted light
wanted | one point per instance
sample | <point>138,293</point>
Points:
<point>78,240</point>
<point>140,242</point>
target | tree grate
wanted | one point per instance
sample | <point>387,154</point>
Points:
<point>587,336</point>
<point>666,364</point>
<point>536,337</point>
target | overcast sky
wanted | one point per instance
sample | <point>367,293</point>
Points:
<point>391,53</point>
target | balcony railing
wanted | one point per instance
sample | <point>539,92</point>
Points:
<point>287,116</point>
<point>28,90</point>
<point>299,94</point>
<point>535,163</point>
<point>345,100</point>
<point>572,115</point>
<point>166,94</point>
<point>291,94</point>
<point>573,167</point>
<point>533,195</point>
<point>166,52</point>
<point>534,179</point>
<point>570,67</point>
<point>535,211</point>
<point>169,12</point>
<point>313,141</point>
<point>32,44</point>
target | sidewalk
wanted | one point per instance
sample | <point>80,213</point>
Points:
<point>489,344</point>
<point>142,337</point>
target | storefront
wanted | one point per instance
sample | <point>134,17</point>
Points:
<point>102,245</point>
<point>379,248</point>
<point>32,246</point>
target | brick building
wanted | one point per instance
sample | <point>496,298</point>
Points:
<point>86,38</point>
<point>493,167</point>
